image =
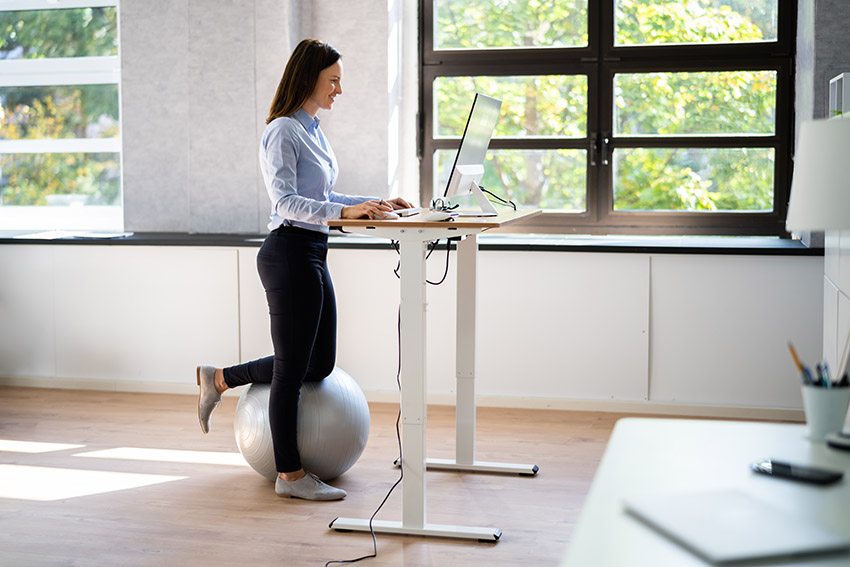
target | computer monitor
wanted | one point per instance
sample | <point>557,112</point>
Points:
<point>468,168</point>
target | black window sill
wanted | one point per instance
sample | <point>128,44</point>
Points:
<point>756,245</point>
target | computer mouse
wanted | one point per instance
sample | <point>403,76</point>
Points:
<point>388,215</point>
<point>437,216</point>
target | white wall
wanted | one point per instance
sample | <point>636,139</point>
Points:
<point>197,79</point>
<point>637,332</point>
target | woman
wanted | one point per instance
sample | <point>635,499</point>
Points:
<point>300,170</point>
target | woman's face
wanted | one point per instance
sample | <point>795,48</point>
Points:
<point>328,86</point>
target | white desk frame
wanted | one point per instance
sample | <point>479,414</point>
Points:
<point>413,237</point>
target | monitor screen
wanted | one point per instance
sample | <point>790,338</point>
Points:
<point>473,146</point>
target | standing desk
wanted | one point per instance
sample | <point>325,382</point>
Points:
<point>413,235</point>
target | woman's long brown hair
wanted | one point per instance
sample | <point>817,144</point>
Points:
<point>310,58</point>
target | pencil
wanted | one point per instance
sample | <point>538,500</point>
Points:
<point>794,356</point>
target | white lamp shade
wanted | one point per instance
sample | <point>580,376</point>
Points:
<point>820,190</point>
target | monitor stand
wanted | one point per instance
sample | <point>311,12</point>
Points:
<point>486,207</point>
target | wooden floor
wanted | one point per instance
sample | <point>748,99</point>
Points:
<point>226,514</point>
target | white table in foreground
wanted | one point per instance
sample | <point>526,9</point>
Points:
<point>646,456</point>
<point>413,235</point>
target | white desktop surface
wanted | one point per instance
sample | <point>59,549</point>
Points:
<point>646,456</point>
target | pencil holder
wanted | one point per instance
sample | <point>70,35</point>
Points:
<point>825,410</point>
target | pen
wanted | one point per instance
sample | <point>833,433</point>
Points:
<point>808,378</point>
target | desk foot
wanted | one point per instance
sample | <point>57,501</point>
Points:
<point>488,535</point>
<point>478,466</point>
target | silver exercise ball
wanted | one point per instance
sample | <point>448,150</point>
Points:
<point>333,426</point>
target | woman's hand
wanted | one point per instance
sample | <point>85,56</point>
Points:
<point>368,209</point>
<point>399,203</point>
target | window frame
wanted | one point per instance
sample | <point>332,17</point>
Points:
<point>600,60</point>
<point>63,71</point>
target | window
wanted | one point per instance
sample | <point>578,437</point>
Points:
<point>60,138</point>
<point>618,116</point>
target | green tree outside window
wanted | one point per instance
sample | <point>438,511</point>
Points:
<point>59,112</point>
<point>705,104</point>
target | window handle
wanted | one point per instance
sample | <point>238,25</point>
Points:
<point>606,148</point>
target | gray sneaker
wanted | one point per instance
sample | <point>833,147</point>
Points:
<point>209,397</point>
<point>309,488</point>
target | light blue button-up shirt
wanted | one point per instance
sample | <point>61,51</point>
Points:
<point>300,171</point>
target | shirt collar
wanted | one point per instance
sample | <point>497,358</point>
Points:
<point>310,123</point>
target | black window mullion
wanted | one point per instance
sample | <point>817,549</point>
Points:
<point>785,136</point>
<point>600,189</point>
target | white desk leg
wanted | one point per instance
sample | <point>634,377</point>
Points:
<point>413,408</point>
<point>413,411</point>
<point>467,322</point>
<point>467,355</point>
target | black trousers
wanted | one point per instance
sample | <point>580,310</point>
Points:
<point>292,263</point>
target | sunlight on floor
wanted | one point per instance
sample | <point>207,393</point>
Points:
<point>168,455</point>
<point>13,446</point>
<point>45,483</point>
<point>49,483</point>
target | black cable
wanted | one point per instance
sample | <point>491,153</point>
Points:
<point>401,469</point>
<point>432,246</point>
<point>446,271</point>
<point>507,203</point>
<point>443,204</point>
<point>394,244</point>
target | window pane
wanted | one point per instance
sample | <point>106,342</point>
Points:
<point>659,22</point>
<point>694,179</point>
<point>532,106</point>
<point>513,24</point>
<point>73,32</point>
<point>547,179</point>
<point>704,103</point>
<point>85,111</point>
<point>60,179</point>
